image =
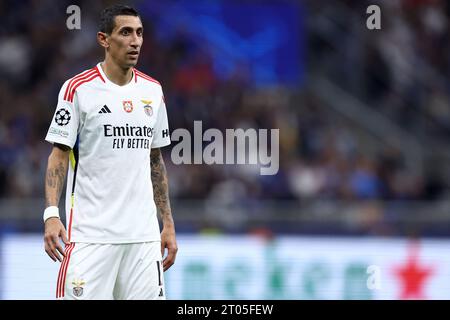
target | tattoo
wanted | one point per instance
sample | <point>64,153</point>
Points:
<point>160,184</point>
<point>54,183</point>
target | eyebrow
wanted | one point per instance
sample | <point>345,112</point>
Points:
<point>130,28</point>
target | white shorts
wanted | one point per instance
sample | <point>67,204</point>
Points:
<point>111,271</point>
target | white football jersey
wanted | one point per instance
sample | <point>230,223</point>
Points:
<point>111,130</point>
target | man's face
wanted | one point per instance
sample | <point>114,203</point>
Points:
<point>126,40</point>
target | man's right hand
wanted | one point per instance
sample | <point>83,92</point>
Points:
<point>54,230</point>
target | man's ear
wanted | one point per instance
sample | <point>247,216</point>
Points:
<point>102,39</point>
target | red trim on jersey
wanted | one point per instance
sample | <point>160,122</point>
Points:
<point>146,77</point>
<point>74,83</point>
<point>70,222</point>
<point>74,79</point>
<point>100,75</point>
<point>79,83</point>
<point>60,272</point>
<point>63,271</point>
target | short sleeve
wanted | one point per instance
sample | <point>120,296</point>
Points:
<point>64,125</point>
<point>161,136</point>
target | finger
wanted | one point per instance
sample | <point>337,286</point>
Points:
<point>167,263</point>
<point>170,259</point>
<point>48,251</point>
<point>55,253</point>
<point>48,247</point>
<point>51,254</point>
<point>60,249</point>
<point>163,246</point>
<point>56,247</point>
<point>64,236</point>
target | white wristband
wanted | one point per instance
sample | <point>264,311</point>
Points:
<point>51,212</point>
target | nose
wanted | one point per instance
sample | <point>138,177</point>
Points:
<point>135,41</point>
<point>134,44</point>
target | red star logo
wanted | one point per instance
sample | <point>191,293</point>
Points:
<point>412,275</point>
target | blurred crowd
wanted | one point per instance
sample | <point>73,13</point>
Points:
<point>401,70</point>
<point>320,157</point>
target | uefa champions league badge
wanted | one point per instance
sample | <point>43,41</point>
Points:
<point>62,117</point>
<point>127,105</point>
<point>78,287</point>
<point>147,107</point>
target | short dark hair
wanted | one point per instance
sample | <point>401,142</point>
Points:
<point>107,16</point>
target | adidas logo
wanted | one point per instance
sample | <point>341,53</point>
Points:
<point>105,109</point>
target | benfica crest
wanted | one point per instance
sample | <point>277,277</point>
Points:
<point>78,287</point>
<point>127,105</point>
<point>147,107</point>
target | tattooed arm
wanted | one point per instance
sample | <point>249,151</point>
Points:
<point>161,197</point>
<point>56,174</point>
<point>54,181</point>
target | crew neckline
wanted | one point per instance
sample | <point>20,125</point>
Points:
<point>109,82</point>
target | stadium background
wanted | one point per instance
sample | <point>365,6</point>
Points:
<point>364,119</point>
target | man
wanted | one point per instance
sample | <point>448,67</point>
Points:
<point>108,126</point>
